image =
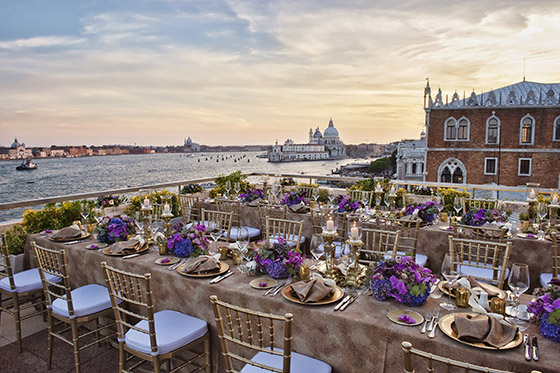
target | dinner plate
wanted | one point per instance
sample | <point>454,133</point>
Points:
<point>223,268</point>
<point>169,261</point>
<point>97,246</point>
<point>527,235</point>
<point>84,235</point>
<point>270,283</point>
<point>107,251</point>
<point>442,285</point>
<point>338,293</point>
<point>446,326</point>
<point>393,315</point>
<point>446,228</point>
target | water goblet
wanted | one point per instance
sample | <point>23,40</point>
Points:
<point>542,212</point>
<point>98,214</point>
<point>316,195</point>
<point>227,187</point>
<point>518,282</point>
<point>243,239</point>
<point>84,212</point>
<point>451,270</point>
<point>457,205</point>
<point>237,189</point>
<point>316,247</point>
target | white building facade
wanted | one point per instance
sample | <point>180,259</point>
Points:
<point>411,158</point>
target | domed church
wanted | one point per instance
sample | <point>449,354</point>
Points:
<point>330,139</point>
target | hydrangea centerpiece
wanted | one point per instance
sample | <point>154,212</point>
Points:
<point>295,198</point>
<point>111,230</point>
<point>188,242</point>
<point>546,310</point>
<point>427,211</point>
<point>278,260</point>
<point>346,204</point>
<point>477,218</point>
<point>251,194</point>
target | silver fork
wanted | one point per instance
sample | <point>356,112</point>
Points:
<point>435,316</point>
<point>432,333</point>
<point>273,289</point>
<point>286,283</point>
<point>427,318</point>
<point>171,268</point>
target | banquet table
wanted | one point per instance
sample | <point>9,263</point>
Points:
<point>360,339</point>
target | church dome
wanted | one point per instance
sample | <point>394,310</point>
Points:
<point>331,131</point>
<point>317,134</point>
<point>15,144</point>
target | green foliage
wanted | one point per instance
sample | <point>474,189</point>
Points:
<point>191,189</point>
<point>448,196</point>
<point>554,317</point>
<point>523,216</point>
<point>379,165</point>
<point>418,289</point>
<point>235,177</point>
<point>15,238</point>
<point>155,197</point>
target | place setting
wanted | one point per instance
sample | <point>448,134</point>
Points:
<point>71,234</point>
<point>203,266</point>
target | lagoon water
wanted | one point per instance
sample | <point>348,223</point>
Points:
<point>57,177</point>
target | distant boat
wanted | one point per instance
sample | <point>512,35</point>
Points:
<point>27,165</point>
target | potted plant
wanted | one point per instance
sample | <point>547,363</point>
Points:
<point>15,238</point>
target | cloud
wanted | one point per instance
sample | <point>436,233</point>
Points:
<point>41,42</point>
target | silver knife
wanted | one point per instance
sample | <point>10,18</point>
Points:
<point>273,288</point>
<point>220,278</point>
<point>350,301</point>
<point>275,292</point>
<point>535,345</point>
<point>346,299</point>
<point>131,256</point>
<point>527,347</point>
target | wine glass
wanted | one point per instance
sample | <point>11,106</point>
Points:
<point>451,270</point>
<point>387,201</point>
<point>518,282</point>
<point>316,195</point>
<point>316,247</point>
<point>84,212</point>
<point>237,189</point>
<point>332,197</point>
<point>98,214</point>
<point>457,205</point>
<point>243,239</point>
<point>227,187</point>
<point>542,211</point>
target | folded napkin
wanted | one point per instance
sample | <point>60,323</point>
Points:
<point>255,202</point>
<point>201,265</point>
<point>300,208</point>
<point>69,232</point>
<point>313,290</point>
<point>126,247</point>
<point>483,328</point>
<point>412,217</point>
<point>476,286</point>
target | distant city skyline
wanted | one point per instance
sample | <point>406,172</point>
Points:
<point>236,72</point>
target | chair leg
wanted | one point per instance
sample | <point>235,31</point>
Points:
<point>17,317</point>
<point>122,357</point>
<point>50,339</point>
<point>97,332</point>
<point>75,343</point>
<point>207,351</point>
<point>157,364</point>
<point>169,365</point>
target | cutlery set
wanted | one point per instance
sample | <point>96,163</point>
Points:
<point>348,300</point>
<point>277,288</point>
<point>531,348</point>
<point>222,277</point>
<point>431,323</point>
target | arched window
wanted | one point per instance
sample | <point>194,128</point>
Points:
<point>463,129</point>
<point>493,130</point>
<point>556,131</point>
<point>458,176</point>
<point>445,175</point>
<point>452,170</point>
<point>527,130</point>
<point>451,129</point>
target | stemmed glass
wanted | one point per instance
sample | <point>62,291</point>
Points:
<point>542,211</point>
<point>518,282</point>
<point>227,187</point>
<point>243,239</point>
<point>451,270</point>
<point>236,189</point>
<point>98,214</point>
<point>332,197</point>
<point>457,205</point>
<point>316,247</point>
<point>84,212</point>
<point>316,195</point>
<point>387,201</point>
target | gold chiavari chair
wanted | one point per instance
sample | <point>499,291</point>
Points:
<point>546,277</point>
<point>289,230</point>
<point>157,210</point>
<point>218,220</point>
<point>71,308</point>
<point>309,190</point>
<point>20,291</point>
<point>479,233</point>
<point>378,245</point>
<point>408,239</point>
<point>271,211</point>
<point>157,336</point>
<point>362,195</point>
<point>237,230</point>
<point>476,203</point>
<point>409,352</point>
<point>190,207</point>
<point>484,260</point>
<point>318,219</point>
<point>417,198</point>
<point>243,332</point>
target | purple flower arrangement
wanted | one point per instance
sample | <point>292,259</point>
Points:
<point>278,260</point>
<point>251,194</point>
<point>427,211</point>
<point>295,198</point>
<point>188,242</point>
<point>111,230</point>
<point>546,310</point>
<point>346,204</point>
<point>403,280</point>
<point>482,216</point>
<point>110,201</point>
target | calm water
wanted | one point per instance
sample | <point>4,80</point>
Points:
<point>57,177</point>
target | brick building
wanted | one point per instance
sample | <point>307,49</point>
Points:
<point>509,136</point>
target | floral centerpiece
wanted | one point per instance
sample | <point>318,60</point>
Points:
<point>111,230</point>
<point>188,242</point>
<point>423,190</point>
<point>403,280</point>
<point>251,194</point>
<point>110,201</point>
<point>346,204</point>
<point>546,310</point>
<point>191,189</point>
<point>276,259</point>
<point>287,181</point>
<point>427,211</point>
<point>294,198</point>
<point>482,216</point>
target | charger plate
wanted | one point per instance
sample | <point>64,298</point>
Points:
<point>393,315</point>
<point>223,268</point>
<point>442,285</point>
<point>446,325</point>
<point>107,251</point>
<point>270,283</point>
<point>84,235</point>
<point>338,294</point>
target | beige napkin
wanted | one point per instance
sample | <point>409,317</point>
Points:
<point>300,208</point>
<point>471,283</point>
<point>483,328</point>
<point>201,264</point>
<point>255,202</point>
<point>69,232</point>
<point>125,247</point>
<point>412,217</point>
<point>311,291</point>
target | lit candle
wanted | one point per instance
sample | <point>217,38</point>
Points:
<point>555,199</point>
<point>330,225</point>
<point>532,195</point>
<point>166,209</point>
<point>146,202</point>
<point>393,190</point>
<point>378,187</point>
<point>354,233</point>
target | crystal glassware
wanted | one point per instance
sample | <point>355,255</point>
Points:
<point>98,214</point>
<point>316,246</point>
<point>518,282</point>
<point>457,205</point>
<point>84,212</point>
<point>451,270</point>
<point>542,212</point>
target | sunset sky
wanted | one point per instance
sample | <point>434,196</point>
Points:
<point>251,72</point>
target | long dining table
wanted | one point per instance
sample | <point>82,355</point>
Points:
<point>359,339</point>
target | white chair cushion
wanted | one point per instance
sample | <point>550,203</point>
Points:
<point>173,330</point>
<point>299,363</point>
<point>482,273</point>
<point>86,300</point>
<point>235,233</point>
<point>545,279</point>
<point>27,281</point>
<point>421,260</point>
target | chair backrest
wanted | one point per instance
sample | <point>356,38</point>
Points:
<point>479,233</point>
<point>271,211</point>
<point>218,220</point>
<point>157,210</point>
<point>362,195</point>
<point>228,205</point>
<point>408,239</point>
<point>555,256</point>
<point>190,207</point>
<point>6,264</point>
<point>476,203</point>
<point>378,245</point>
<point>251,331</point>
<point>309,190</point>
<point>131,289</point>
<point>319,216</point>
<point>409,351</point>
<point>482,254</point>
<point>417,198</point>
<point>289,230</point>
<point>53,262</point>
